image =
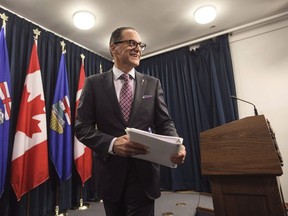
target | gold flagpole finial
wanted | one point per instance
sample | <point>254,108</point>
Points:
<point>37,33</point>
<point>4,19</point>
<point>63,46</point>
<point>82,57</point>
<point>101,68</point>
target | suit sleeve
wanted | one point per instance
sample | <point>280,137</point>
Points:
<point>86,123</point>
<point>163,122</point>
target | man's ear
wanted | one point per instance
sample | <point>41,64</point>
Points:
<point>112,49</point>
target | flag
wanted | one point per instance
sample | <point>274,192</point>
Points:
<point>30,150</point>
<point>60,142</point>
<point>5,107</point>
<point>82,154</point>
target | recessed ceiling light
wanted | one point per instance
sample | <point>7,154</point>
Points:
<point>205,14</point>
<point>83,20</point>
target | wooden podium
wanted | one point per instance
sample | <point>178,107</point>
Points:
<point>243,163</point>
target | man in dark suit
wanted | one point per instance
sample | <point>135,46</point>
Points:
<point>128,186</point>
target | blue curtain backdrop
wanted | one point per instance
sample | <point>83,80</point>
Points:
<point>197,86</point>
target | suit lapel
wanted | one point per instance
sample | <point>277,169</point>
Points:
<point>139,91</point>
<point>109,88</point>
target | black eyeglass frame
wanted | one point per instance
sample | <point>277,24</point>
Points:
<point>133,44</point>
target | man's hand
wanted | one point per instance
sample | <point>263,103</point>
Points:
<point>179,158</point>
<point>123,147</point>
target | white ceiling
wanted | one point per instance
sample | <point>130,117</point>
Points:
<point>162,24</point>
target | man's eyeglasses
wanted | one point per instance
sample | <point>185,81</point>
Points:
<point>133,44</point>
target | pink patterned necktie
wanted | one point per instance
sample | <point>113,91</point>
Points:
<point>126,97</point>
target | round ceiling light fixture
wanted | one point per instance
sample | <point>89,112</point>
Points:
<point>205,14</point>
<point>83,20</point>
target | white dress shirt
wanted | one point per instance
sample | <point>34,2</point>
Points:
<point>118,83</point>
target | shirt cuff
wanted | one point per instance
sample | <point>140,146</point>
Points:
<point>110,150</point>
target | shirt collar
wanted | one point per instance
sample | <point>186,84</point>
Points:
<point>117,73</point>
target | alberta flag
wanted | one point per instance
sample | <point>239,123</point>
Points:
<point>60,142</point>
<point>5,107</point>
<point>82,154</point>
<point>30,150</point>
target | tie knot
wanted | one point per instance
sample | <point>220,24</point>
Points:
<point>125,77</point>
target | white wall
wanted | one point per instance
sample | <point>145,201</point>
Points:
<point>260,63</point>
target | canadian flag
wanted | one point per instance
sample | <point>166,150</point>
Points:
<point>30,150</point>
<point>82,154</point>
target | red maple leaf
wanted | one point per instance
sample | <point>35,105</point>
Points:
<point>29,109</point>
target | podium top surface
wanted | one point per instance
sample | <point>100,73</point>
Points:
<point>241,147</point>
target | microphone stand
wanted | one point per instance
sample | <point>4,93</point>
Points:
<point>255,110</point>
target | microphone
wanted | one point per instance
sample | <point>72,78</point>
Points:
<point>255,110</point>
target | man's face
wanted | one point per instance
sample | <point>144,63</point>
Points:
<point>126,56</point>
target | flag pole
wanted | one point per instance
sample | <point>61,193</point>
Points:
<point>37,33</point>
<point>57,208</point>
<point>82,206</point>
<point>28,204</point>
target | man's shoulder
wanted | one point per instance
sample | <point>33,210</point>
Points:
<point>100,76</point>
<point>147,77</point>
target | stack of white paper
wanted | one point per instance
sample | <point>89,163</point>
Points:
<point>160,147</point>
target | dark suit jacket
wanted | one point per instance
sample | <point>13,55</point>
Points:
<point>99,120</point>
